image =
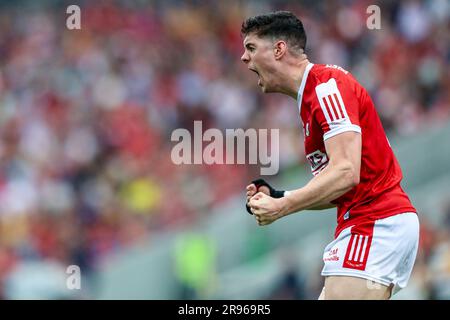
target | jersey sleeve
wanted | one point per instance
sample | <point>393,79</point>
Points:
<point>336,109</point>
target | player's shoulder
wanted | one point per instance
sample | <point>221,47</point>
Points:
<point>326,79</point>
<point>330,77</point>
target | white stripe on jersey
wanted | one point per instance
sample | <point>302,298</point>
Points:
<point>333,109</point>
<point>341,103</point>
<point>331,102</point>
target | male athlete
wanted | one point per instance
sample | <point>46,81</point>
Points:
<point>354,168</point>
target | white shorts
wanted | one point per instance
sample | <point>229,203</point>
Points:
<point>383,251</point>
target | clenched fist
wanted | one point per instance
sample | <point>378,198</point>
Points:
<point>265,208</point>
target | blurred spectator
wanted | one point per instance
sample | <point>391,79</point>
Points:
<point>291,285</point>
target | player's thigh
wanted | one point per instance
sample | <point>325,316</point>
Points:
<point>345,288</point>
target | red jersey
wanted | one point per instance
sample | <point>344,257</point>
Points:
<point>331,101</point>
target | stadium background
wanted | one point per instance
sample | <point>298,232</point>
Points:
<point>85,122</point>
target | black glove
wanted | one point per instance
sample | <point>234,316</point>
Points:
<point>272,192</point>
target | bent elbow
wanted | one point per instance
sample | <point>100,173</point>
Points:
<point>352,177</point>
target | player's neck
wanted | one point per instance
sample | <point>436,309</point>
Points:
<point>294,77</point>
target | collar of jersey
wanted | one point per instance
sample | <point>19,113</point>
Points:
<point>303,84</point>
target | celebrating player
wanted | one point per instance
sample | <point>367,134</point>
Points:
<point>354,167</point>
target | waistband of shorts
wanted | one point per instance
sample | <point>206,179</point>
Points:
<point>365,218</point>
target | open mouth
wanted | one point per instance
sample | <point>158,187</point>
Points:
<point>255,71</point>
<point>259,77</point>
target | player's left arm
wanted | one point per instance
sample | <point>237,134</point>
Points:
<point>338,177</point>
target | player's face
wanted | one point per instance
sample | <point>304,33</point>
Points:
<point>259,58</point>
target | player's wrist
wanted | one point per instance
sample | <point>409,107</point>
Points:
<point>283,205</point>
<point>289,203</point>
<point>277,193</point>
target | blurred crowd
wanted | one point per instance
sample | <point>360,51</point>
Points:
<point>431,275</point>
<point>86,115</point>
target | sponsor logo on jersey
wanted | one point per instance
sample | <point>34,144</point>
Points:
<point>332,255</point>
<point>318,160</point>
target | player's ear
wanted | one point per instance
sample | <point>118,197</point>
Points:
<point>279,49</point>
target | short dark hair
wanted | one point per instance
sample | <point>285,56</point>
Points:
<point>280,24</point>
